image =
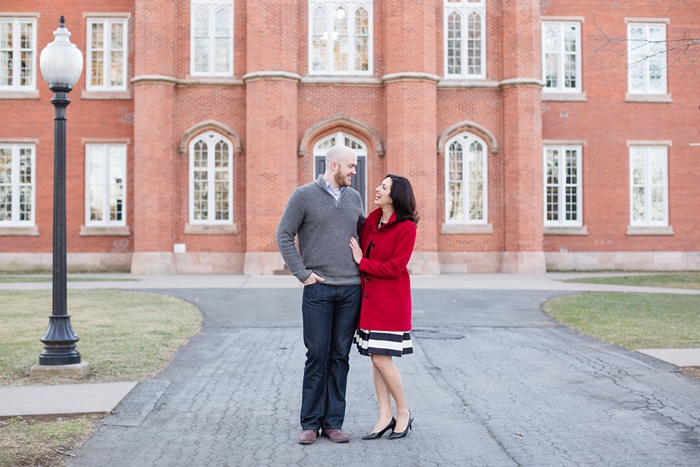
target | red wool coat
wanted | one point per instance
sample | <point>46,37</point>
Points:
<point>386,286</point>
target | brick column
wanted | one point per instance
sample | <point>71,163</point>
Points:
<point>271,126</point>
<point>411,115</point>
<point>522,145</point>
<point>154,138</point>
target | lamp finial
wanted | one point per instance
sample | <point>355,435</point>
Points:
<point>63,22</point>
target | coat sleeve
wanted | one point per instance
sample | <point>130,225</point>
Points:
<point>287,229</point>
<point>401,254</point>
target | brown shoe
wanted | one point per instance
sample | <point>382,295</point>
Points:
<point>308,437</point>
<point>336,435</point>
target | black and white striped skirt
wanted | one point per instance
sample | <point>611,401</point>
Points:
<point>394,344</point>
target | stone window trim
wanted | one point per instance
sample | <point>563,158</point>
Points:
<point>107,92</point>
<point>106,95</point>
<point>210,125</point>
<point>666,143</point>
<point>564,96</point>
<point>17,226</point>
<point>564,142</point>
<point>345,123</point>
<point>100,226</point>
<point>470,127</point>
<point>464,10</point>
<point>646,184</point>
<point>460,201</point>
<point>649,98</point>
<point>565,230</point>
<point>466,229</point>
<point>33,94</point>
<point>203,229</point>
<point>648,20</point>
<point>649,230</point>
<point>646,93</point>
<point>99,231</point>
<point>30,231</point>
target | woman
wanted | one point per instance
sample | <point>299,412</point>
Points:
<point>388,236</point>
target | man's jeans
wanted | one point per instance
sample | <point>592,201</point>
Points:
<point>330,315</point>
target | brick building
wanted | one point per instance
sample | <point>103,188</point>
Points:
<point>552,134</point>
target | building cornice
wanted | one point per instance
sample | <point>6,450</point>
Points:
<point>521,82</point>
<point>196,81</point>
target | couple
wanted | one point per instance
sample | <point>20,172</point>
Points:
<point>342,274</point>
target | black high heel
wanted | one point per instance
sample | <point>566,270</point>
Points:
<point>402,434</point>
<point>379,434</point>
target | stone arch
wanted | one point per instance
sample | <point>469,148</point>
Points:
<point>340,122</point>
<point>208,125</point>
<point>470,127</point>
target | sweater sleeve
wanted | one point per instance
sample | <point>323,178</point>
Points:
<point>403,248</point>
<point>291,220</point>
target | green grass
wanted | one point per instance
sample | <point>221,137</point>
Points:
<point>632,320</point>
<point>684,280</point>
<point>126,336</point>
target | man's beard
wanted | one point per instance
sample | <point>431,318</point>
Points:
<point>340,180</point>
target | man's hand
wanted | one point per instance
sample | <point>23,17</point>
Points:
<point>313,278</point>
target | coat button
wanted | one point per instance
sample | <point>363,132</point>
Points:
<point>366,296</point>
<point>366,278</point>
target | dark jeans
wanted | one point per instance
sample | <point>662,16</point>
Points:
<point>330,315</point>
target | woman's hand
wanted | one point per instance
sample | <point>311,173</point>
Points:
<point>356,250</point>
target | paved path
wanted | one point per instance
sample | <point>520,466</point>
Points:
<point>493,382</point>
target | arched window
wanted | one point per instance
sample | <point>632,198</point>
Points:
<point>359,181</point>
<point>465,55</point>
<point>211,38</point>
<point>466,180</point>
<point>340,37</point>
<point>211,179</point>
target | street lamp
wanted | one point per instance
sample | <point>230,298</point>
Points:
<point>61,65</point>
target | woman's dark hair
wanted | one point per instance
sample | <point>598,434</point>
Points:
<point>403,199</point>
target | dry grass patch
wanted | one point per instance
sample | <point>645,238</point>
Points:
<point>126,336</point>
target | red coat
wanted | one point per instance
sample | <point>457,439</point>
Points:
<point>386,286</point>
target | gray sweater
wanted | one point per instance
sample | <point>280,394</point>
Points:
<point>323,227</point>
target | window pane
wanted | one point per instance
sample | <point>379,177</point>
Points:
<point>201,41</point>
<point>454,44</point>
<point>223,41</point>
<point>340,40</point>
<point>638,204</point>
<point>361,40</point>
<point>116,183</point>
<point>320,40</point>
<point>5,184</point>
<point>474,45</point>
<point>97,177</point>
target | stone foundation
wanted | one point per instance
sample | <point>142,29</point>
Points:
<point>77,262</point>
<point>623,260</point>
<point>154,263</point>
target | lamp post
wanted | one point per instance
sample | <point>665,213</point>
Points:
<point>61,65</point>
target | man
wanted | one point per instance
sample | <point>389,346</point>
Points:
<point>324,215</point>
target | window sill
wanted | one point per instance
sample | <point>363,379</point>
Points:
<point>651,230</point>
<point>649,98</point>
<point>200,229</point>
<point>341,80</point>
<point>564,96</point>
<point>99,95</point>
<point>32,231</point>
<point>98,231</point>
<point>19,94</point>
<point>457,83</point>
<point>464,229</point>
<point>561,230</point>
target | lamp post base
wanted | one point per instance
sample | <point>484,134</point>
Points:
<point>76,371</point>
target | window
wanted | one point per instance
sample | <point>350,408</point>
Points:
<point>561,57</point>
<point>106,54</point>
<point>562,186</point>
<point>340,39</point>
<point>211,180</point>
<point>648,186</point>
<point>17,185</point>
<point>646,58</point>
<point>105,191</point>
<point>466,180</point>
<point>211,38</point>
<point>465,28</point>
<point>359,181</point>
<point>17,54</point>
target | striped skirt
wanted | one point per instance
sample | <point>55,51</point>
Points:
<point>394,344</point>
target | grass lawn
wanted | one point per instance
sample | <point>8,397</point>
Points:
<point>683,280</point>
<point>632,320</point>
<point>126,336</point>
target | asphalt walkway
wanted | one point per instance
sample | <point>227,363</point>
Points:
<point>493,381</point>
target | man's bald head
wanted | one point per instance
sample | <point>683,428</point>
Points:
<point>341,163</point>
